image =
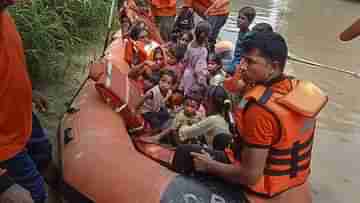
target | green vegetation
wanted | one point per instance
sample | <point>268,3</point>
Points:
<point>54,30</point>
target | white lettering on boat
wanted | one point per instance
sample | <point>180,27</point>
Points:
<point>191,198</point>
<point>217,199</point>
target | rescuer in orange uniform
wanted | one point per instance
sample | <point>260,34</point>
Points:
<point>275,123</point>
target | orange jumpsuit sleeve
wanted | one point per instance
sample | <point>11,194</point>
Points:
<point>188,3</point>
<point>261,127</point>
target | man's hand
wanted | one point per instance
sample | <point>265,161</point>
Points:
<point>41,102</point>
<point>16,194</point>
<point>202,161</point>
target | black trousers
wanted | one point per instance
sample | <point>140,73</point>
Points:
<point>183,161</point>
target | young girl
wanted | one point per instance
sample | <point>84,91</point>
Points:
<point>174,64</point>
<point>135,53</point>
<point>195,74</point>
<point>182,44</point>
<point>154,104</point>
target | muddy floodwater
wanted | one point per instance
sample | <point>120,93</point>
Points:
<point>312,29</point>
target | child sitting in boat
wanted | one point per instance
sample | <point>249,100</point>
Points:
<point>174,63</point>
<point>216,103</point>
<point>187,114</point>
<point>154,102</point>
<point>195,60</point>
<point>215,68</point>
<point>157,56</point>
<point>187,117</point>
<point>245,18</point>
<point>182,44</point>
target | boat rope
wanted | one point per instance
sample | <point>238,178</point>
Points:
<point>295,58</point>
<point>323,66</point>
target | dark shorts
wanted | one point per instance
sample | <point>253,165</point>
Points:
<point>183,161</point>
<point>39,147</point>
<point>23,171</point>
<point>25,166</point>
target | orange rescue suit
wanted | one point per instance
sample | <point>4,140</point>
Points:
<point>288,162</point>
<point>15,91</point>
<point>163,7</point>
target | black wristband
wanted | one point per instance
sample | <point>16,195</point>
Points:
<point>5,182</point>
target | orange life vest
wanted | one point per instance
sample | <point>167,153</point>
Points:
<point>133,47</point>
<point>288,162</point>
<point>15,91</point>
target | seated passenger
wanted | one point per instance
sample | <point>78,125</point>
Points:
<point>182,44</point>
<point>154,102</point>
<point>176,102</point>
<point>215,68</point>
<point>187,117</point>
<point>158,59</point>
<point>216,103</point>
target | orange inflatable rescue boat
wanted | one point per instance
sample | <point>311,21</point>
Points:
<point>104,160</point>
